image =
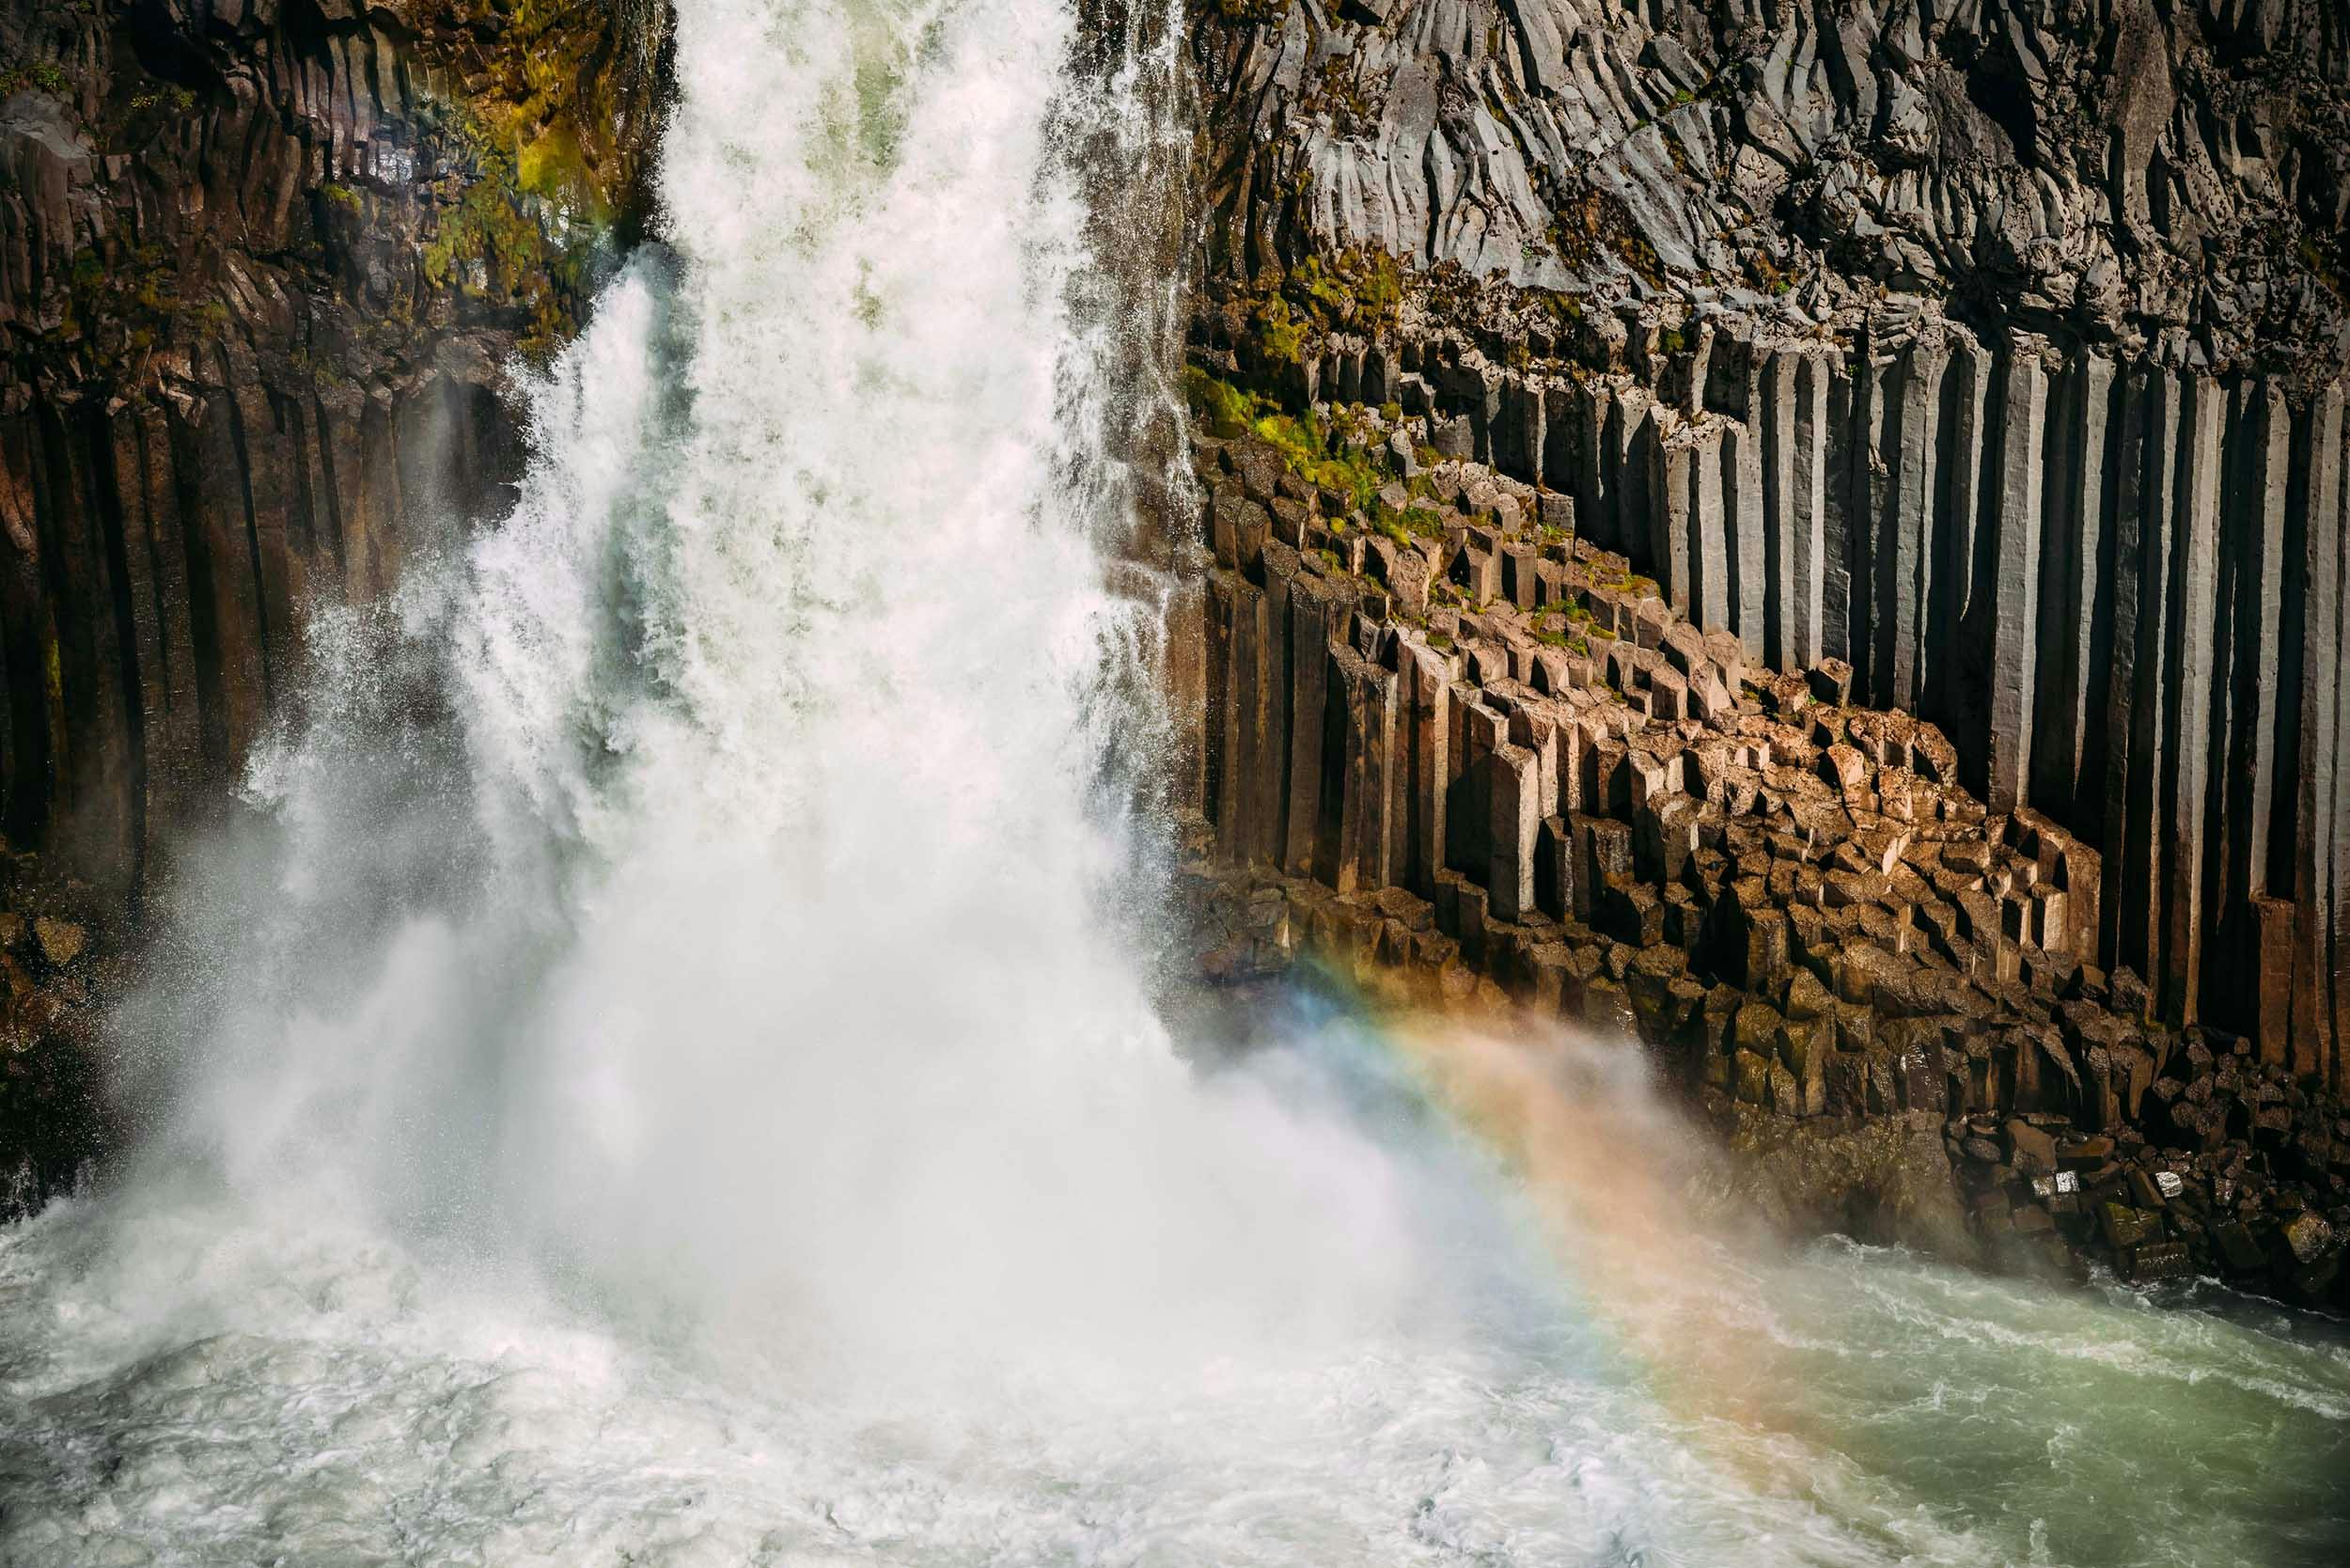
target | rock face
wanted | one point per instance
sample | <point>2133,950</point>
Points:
<point>2166,176</point>
<point>261,265</point>
<point>54,979</point>
<point>1987,351</point>
<point>1449,744</point>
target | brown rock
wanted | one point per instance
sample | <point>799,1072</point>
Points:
<point>61,941</point>
<point>1844,767</point>
<point>2031,1151</point>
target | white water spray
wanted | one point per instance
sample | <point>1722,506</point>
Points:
<point>782,984</point>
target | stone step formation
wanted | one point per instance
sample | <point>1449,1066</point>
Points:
<point>2115,587</point>
<point>1452,740</point>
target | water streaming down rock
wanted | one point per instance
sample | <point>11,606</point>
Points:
<point>789,677</point>
<point>668,1080</point>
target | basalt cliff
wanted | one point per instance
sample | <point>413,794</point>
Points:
<point>263,267</point>
<point>1812,534</point>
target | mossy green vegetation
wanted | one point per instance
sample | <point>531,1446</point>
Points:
<point>568,94</point>
<point>500,241</point>
<point>1223,409</point>
<point>1631,583</point>
<point>1279,334</point>
<point>1564,638</point>
<point>1405,525</point>
<point>1337,457</point>
<point>166,97</point>
<point>553,128</point>
<point>35,76</point>
<point>1353,291</point>
<point>1594,223</point>
<point>1335,466</point>
<point>121,301</point>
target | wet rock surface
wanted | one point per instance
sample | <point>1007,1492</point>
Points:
<point>57,971</point>
<point>1455,751</point>
<point>262,268</point>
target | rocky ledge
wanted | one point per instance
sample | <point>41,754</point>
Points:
<point>1453,749</point>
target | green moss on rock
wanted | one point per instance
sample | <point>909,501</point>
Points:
<point>1332,456</point>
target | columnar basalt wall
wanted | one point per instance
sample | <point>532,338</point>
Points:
<point>1991,348</point>
<point>160,559</point>
<point>2116,588</point>
<point>2170,175</point>
<point>261,270</point>
<point>263,266</point>
<point>1449,747</point>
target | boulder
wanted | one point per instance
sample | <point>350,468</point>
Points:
<point>2030,1150</point>
<point>61,941</point>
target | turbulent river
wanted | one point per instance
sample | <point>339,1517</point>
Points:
<point>670,1072</point>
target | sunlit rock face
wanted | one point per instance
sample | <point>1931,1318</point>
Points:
<point>1990,354</point>
<point>2169,179</point>
<point>1531,783</point>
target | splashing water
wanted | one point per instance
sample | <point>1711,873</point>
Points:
<point>669,1078</point>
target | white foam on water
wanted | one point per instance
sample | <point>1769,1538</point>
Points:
<point>668,1075</point>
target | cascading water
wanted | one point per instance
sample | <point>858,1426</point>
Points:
<point>670,1077</point>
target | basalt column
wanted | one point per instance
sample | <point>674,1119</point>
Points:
<point>155,562</point>
<point>2116,586</point>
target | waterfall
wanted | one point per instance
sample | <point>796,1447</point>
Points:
<point>714,885</point>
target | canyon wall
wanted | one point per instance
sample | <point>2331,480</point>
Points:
<point>1990,350</point>
<point>2164,176</point>
<point>2115,587</point>
<point>263,266</point>
<point>1453,749</point>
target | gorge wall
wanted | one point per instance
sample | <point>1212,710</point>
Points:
<point>2115,587</point>
<point>1450,749</point>
<point>262,266</point>
<point>1989,350</point>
